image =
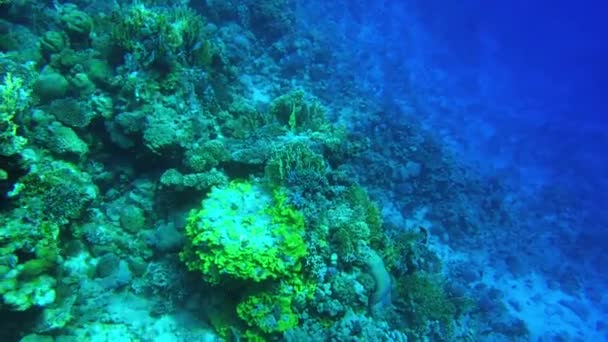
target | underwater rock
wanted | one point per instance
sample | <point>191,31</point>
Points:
<point>63,140</point>
<point>103,105</point>
<point>166,239</point>
<point>99,71</point>
<point>20,296</point>
<point>411,170</point>
<point>50,85</point>
<point>577,307</point>
<point>52,42</point>
<point>5,26</point>
<point>81,83</point>
<point>138,266</point>
<point>37,338</point>
<point>121,277</point>
<point>78,24</point>
<point>207,155</point>
<point>71,112</point>
<point>511,327</point>
<point>107,265</point>
<point>132,219</point>
<point>200,181</point>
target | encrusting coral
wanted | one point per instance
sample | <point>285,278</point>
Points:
<point>242,232</point>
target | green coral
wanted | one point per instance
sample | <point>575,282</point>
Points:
<point>348,237</point>
<point>50,85</point>
<point>15,98</point>
<point>78,24</point>
<point>243,233</point>
<point>22,296</point>
<point>64,140</point>
<point>207,155</point>
<point>355,221</point>
<point>368,212</point>
<point>294,156</point>
<point>161,35</point>
<point>270,313</point>
<point>199,181</point>
<point>424,300</point>
<point>28,257</point>
<point>54,191</point>
<point>294,111</point>
<point>71,112</point>
<point>407,251</point>
<point>246,120</point>
<point>52,42</point>
<point>270,19</point>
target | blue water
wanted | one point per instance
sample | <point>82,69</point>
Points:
<point>517,91</point>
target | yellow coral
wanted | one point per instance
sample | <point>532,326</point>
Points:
<point>244,233</point>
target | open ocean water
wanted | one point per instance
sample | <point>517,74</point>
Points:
<point>286,170</point>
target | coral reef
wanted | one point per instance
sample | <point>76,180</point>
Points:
<point>163,175</point>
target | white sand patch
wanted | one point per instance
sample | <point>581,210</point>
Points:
<point>542,308</point>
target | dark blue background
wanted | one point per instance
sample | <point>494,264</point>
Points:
<point>518,87</point>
